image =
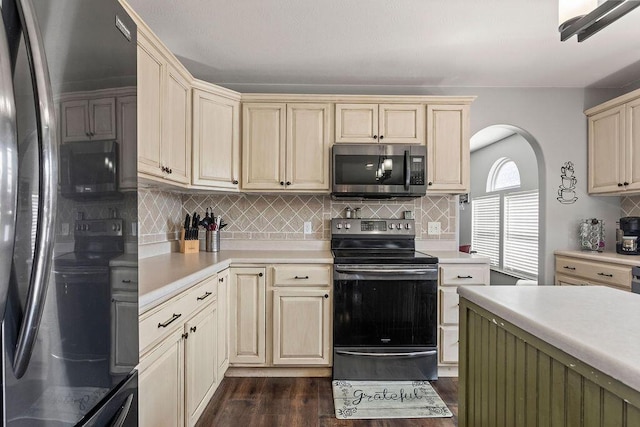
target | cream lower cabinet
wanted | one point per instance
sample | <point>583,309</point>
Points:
<point>578,271</point>
<point>178,366</point>
<point>383,123</point>
<point>248,310</point>
<point>450,277</point>
<point>614,146</point>
<point>222,357</point>
<point>448,155</point>
<point>285,147</point>
<point>216,138</point>
<point>301,315</point>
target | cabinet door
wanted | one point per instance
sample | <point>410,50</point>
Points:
<point>150,98</point>
<point>176,121</point>
<point>200,361</point>
<point>161,385</point>
<point>301,327</point>
<point>247,292</point>
<point>632,155</point>
<point>449,336</point>
<point>448,148</point>
<point>102,119</point>
<point>75,121</point>
<point>606,151</point>
<point>127,108</point>
<point>124,339</point>
<point>401,123</point>
<point>222,348</point>
<point>216,141</point>
<point>308,127</point>
<point>357,123</point>
<point>263,146</point>
<point>449,305</point>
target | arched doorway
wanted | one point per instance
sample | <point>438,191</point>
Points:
<point>492,148</point>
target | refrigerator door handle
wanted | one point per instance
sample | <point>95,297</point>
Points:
<point>42,257</point>
<point>8,167</point>
<point>123,412</point>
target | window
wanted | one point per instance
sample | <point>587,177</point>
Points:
<point>485,226</point>
<point>504,174</point>
<point>504,225</point>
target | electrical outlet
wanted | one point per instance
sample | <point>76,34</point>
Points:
<point>134,228</point>
<point>307,227</point>
<point>65,229</point>
<point>433,228</point>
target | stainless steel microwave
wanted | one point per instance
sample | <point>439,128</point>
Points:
<point>89,169</point>
<point>379,171</point>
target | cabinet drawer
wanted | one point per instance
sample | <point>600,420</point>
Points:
<point>124,278</point>
<point>157,324</point>
<point>301,275</point>
<point>449,344</point>
<point>609,274</point>
<point>449,306</point>
<point>202,294</point>
<point>464,274</point>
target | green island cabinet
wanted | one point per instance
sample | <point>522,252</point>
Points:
<point>511,378</point>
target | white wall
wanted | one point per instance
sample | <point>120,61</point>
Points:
<point>554,117</point>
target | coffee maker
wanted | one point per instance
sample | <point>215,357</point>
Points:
<point>627,237</point>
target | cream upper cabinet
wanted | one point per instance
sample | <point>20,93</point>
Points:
<point>216,141</point>
<point>285,147</point>
<point>614,146</point>
<point>301,327</point>
<point>448,155</point>
<point>248,305</point>
<point>384,123</point>
<point>89,119</point>
<point>126,108</point>
<point>164,116</point>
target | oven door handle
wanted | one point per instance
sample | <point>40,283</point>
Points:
<point>354,270</point>
<point>408,355</point>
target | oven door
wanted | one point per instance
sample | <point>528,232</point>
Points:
<point>385,322</point>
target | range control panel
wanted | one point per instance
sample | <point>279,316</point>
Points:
<point>99,227</point>
<point>360,227</point>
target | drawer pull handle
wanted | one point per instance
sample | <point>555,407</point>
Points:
<point>569,268</point>
<point>206,294</point>
<point>465,277</point>
<point>126,280</point>
<point>301,277</point>
<point>170,321</point>
<point>605,274</point>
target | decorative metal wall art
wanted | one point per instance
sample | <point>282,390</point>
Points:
<point>567,189</point>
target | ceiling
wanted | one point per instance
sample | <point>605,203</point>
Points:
<point>427,43</point>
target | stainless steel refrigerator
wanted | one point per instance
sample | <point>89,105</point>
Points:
<point>69,345</point>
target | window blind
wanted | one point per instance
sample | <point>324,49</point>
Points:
<point>520,247</point>
<point>485,227</point>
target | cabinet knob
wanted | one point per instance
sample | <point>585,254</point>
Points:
<point>185,335</point>
<point>375,136</point>
<point>221,280</point>
<point>625,183</point>
<point>381,137</point>
<point>326,295</point>
<point>430,183</point>
<point>169,170</point>
<point>235,182</point>
<point>281,182</point>
<point>193,328</point>
<point>619,184</point>
<point>260,274</point>
<point>163,169</point>
<point>288,182</point>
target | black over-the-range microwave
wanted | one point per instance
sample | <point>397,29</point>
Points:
<point>378,171</point>
<point>89,169</point>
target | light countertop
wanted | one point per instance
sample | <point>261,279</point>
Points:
<point>125,260</point>
<point>611,257</point>
<point>595,324</point>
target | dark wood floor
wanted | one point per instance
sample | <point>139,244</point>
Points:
<point>265,402</point>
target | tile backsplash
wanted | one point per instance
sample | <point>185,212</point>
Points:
<point>630,206</point>
<point>282,217</point>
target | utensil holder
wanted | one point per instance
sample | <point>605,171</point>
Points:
<point>188,246</point>
<point>212,241</point>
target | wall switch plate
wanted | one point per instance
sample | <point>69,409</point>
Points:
<point>134,228</point>
<point>64,229</point>
<point>433,228</point>
<point>307,227</point>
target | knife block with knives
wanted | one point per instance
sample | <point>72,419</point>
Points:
<point>189,242</point>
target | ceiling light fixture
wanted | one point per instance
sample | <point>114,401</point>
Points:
<point>587,17</point>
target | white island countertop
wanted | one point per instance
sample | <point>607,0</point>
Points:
<point>595,324</point>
